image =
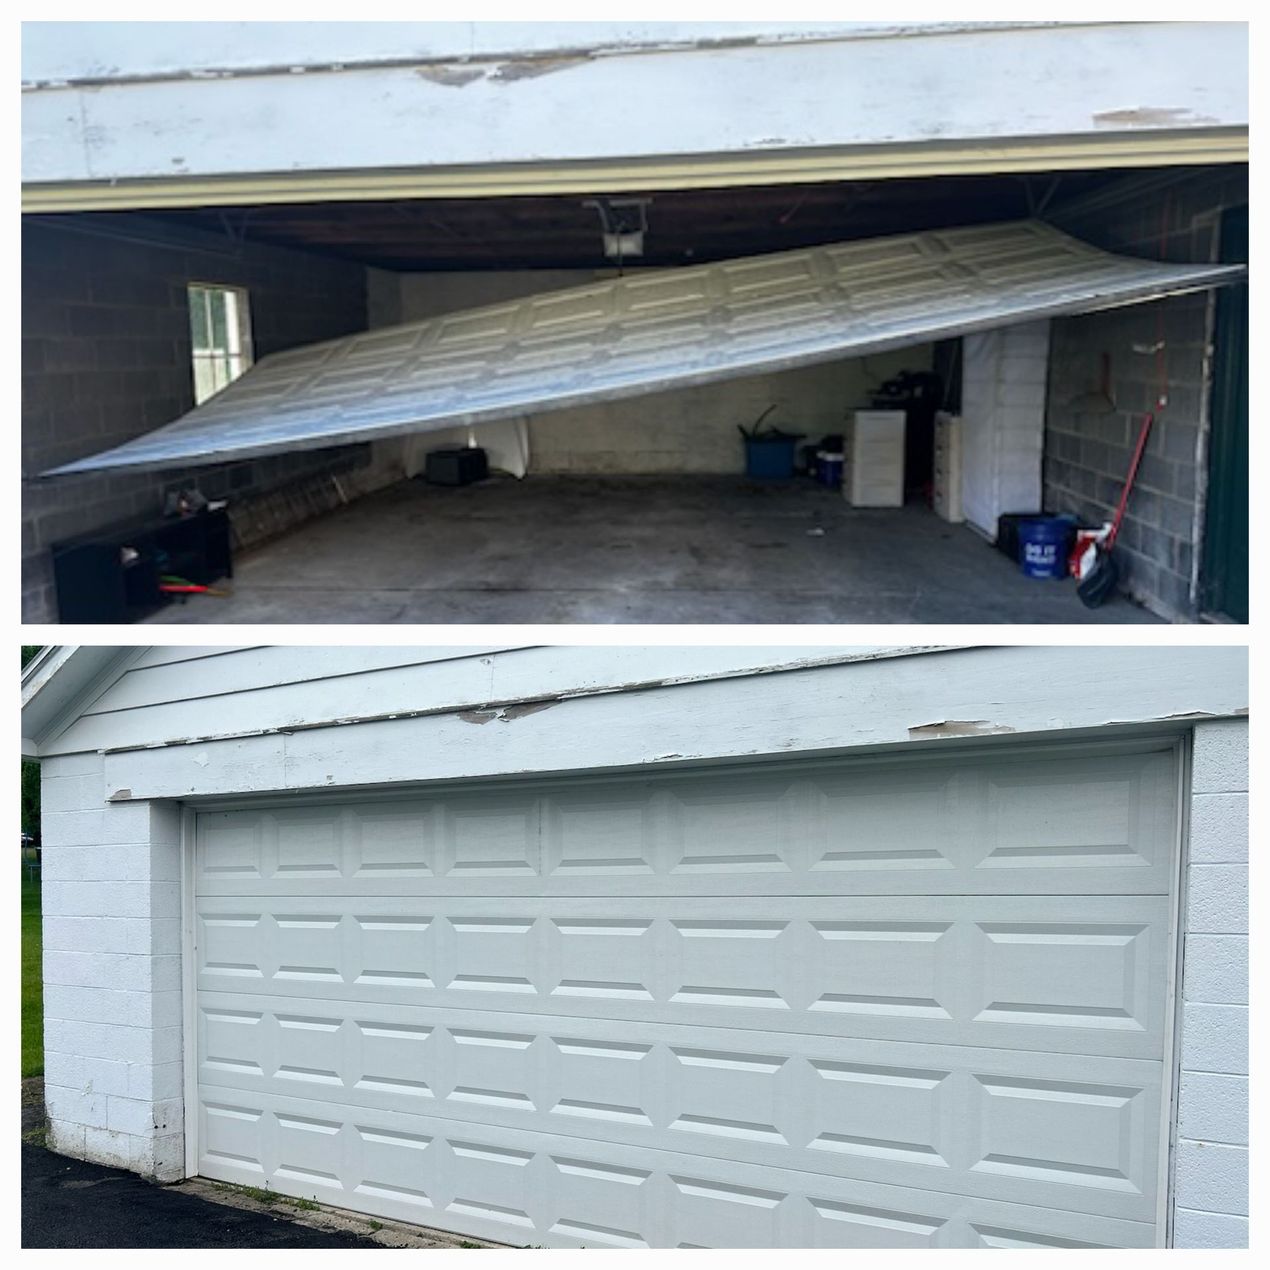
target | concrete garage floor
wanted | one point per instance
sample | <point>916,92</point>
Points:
<point>653,549</point>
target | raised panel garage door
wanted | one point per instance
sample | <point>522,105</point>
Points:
<point>908,1003</point>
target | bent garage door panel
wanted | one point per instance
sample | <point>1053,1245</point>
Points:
<point>678,1066</point>
<point>648,331</point>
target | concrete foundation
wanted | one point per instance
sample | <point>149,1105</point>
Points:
<point>664,549</point>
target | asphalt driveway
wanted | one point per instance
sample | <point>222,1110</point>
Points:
<point>69,1204</point>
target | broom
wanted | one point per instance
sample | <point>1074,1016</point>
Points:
<point>1103,575</point>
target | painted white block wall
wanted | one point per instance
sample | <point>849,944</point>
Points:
<point>1211,1163</point>
<point>1003,421</point>
<point>691,430</point>
<point>112,973</point>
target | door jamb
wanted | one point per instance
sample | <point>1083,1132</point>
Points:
<point>189,988</point>
<point>1171,1074</point>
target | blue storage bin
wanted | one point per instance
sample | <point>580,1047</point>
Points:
<point>770,458</point>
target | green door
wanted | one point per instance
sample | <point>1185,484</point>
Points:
<point>1225,567</point>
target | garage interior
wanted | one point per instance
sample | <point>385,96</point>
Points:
<point>638,509</point>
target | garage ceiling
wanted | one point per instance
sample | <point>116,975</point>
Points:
<point>654,330</point>
<point>685,226</point>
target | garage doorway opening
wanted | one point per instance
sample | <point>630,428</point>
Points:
<point>427,258</point>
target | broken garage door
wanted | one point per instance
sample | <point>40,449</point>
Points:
<point>648,332</point>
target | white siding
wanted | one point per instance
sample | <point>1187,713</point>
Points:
<point>1211,1188</point>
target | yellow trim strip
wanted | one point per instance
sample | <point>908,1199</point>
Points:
<point>758,167</point>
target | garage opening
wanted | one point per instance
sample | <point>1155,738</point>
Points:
<point>903,1002</point>
<point>641,509</point>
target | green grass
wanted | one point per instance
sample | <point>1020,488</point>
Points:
<point>32,982</point>
<point>263,1195</point>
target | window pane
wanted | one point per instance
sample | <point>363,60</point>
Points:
<point>198,317</point>
<point>204,384</point>
<point>233,334</point>
<point>220,339</point>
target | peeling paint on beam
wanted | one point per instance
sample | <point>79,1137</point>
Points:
<point>825,714</point>
<point>1152,117</point>
<point>306,129</point>
<point>508,710</point>
<point>957,727</point>
<point>116,76</point>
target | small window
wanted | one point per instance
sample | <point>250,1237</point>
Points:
<point>221,333</point>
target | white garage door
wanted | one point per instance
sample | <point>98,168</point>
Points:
<point>889,1003</point>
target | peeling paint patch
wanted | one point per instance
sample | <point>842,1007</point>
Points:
<point>531,68</point>
<point>530,707</point>
<point>450,76</point>
<point>507,715</point>
<point>957,727</point>
<point>1150,117</point>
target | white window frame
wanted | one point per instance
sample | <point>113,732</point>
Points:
<point>225,364</point>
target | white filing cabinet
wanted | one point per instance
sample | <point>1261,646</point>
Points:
<point>874,458</point>
<point>948,467</point>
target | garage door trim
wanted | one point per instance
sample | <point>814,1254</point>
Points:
<point>1159,147</point>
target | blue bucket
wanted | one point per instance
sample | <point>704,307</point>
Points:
<point>1044,544</point>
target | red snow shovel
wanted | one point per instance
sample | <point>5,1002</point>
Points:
<point>1101,579</point>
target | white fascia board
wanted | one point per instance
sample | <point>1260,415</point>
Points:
<point>996,88</point>
<point>978,695</point>
<point>500,689</point>
<point>97,52</point>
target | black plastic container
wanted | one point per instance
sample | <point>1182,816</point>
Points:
<point>460,465</point>
<point>1008,531</point>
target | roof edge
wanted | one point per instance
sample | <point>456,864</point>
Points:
<point>55,684</point>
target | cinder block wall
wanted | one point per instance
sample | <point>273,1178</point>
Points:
<point>683,431</point>
<point>112,973</point>
<point>1088,448</point>
<point>1210,1193</point>
<point>106,357</point>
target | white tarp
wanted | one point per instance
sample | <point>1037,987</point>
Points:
<point>650,331</point>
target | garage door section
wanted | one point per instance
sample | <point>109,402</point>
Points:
<point>669,328</point>
<point>887,1003</point>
